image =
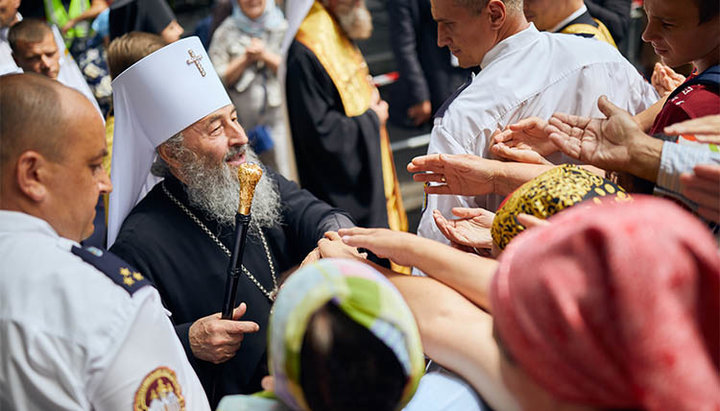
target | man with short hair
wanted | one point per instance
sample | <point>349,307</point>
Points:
<point>172,105</point>
<point>337,118</point>
<point>35,49</point>
<point>80,328</point>
<point>566,16</point>
<point>524,73</point>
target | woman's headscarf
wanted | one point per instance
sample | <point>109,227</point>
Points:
<point>615,306</point>
<point>548,194</point>
<point>271,18</point>
<point>362,294</point>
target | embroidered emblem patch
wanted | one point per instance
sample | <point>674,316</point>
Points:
<point>159,390</point>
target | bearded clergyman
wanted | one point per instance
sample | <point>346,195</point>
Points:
<point>171,106</point>
<point>337,117</point>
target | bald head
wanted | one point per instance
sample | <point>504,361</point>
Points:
<point>51,150</point>
<point>33,108</point>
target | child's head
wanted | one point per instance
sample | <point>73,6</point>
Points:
<point>342,338</point>
<point>684,31</point>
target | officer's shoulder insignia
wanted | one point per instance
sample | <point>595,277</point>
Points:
<point>159,390</point>
<point>122,273</point>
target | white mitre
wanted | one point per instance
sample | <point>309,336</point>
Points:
<point>154,99</point>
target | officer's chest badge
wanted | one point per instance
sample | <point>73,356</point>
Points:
<point>159,390</point>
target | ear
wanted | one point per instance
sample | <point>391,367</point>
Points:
<point>497,12</point>
<point>164,153</point>
<point>32,169</point>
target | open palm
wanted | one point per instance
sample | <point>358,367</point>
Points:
<point>604,143</point>
<point>471,229</point>
<point>526,134</point>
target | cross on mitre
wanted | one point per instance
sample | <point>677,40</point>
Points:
<point>195,59</point>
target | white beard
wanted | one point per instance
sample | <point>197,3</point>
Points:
<point>216,191</point>
<point>356,22</point>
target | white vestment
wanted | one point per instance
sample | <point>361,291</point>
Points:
<point>529,74</point>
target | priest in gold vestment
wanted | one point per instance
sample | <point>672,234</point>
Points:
<point>336,115</point>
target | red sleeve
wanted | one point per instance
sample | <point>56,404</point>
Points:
<point>693,102</point>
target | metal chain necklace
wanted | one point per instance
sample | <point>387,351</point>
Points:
<point>269,294</point>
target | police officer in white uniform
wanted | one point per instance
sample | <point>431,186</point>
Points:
<point>79,328</point>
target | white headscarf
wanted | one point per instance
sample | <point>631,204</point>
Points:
<point>154,99</point>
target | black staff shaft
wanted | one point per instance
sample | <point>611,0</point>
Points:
<point>242,222</point>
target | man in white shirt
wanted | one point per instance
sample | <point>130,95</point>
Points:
<point>36,48</point>
<point>79,328</point>
<point>524,73</point>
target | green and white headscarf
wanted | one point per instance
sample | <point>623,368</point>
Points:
<point>362,294</point>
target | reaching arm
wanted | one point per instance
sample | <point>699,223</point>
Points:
<point>467,273</point>
<point>470,175</point>
<point>458,335</point>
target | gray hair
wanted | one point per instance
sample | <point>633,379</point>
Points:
<point>160,168</point>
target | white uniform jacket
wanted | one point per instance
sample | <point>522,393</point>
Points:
<point>72,338</point>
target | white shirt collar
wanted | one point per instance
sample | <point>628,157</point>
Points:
<point>577,13</point>
<point>16,222</point>
<point>516,40</point>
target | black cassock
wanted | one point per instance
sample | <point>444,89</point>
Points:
<point>189,269</point>
<point>338,157</point>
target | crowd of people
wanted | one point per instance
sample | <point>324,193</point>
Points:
<point>567,256</point>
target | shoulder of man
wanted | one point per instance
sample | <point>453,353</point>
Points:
<point>120,272</point>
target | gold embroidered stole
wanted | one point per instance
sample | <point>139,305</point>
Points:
<point>345,65</point>
<point>600,32</point>
<point>339,57</point>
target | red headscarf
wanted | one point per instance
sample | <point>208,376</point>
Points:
<point>616,305</point>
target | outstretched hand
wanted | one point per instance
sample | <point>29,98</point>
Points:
<point>703,187</point>
<point>665,80</point>
<point>471,229</point>
<point>459,174</point>
<point>393,245</point>
<point>332,246</point>
<point>704,129</point>
<point>604,143</point>
<point>526,134</point>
